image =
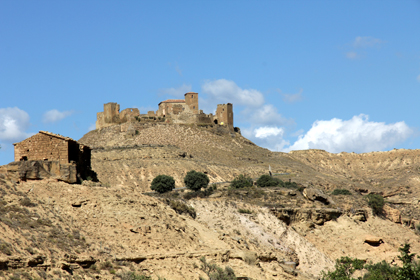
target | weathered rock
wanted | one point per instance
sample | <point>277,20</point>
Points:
<point>317,216</point>
<point>394,215</point>
<point>373,240</point>
<point>38,170</point>
<point>247,256</point>
<point>288,268</point>
<point>315,194</point>
<point>38,260</point>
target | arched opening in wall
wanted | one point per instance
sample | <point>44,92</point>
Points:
<point>215,121</point>
<point>24,158</point>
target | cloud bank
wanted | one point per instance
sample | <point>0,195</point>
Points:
<point>355,135</point>
<point>224,91</point>
<point>13,124</point>
<point>54,115</point>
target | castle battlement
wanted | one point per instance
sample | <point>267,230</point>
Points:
<point>181,111</point>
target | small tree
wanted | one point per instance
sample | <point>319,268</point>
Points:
<point>163,183</point>
<point>268,181</point>
<point>196,180</point>
<point>241,182</point>
<point>376,202</point>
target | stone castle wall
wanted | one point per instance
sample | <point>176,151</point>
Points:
<point>180,111</point>
<point>111,115</point>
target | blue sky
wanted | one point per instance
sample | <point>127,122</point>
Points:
<point>334,75</point>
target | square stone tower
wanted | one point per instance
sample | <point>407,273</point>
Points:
<point>191,100</point>
<point>224,114</point>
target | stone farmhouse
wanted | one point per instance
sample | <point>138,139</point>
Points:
<point>177,111</point>
<point>57,149</point>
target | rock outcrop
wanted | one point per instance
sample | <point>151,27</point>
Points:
<point>38,170</point>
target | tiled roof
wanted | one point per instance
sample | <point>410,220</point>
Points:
<point>173,101</point>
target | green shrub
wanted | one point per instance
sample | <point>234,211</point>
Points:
<point>196,180</point>
<point>181,208</point>
<point>380,271</point>
<point>241,182</point>
<point>133,276</point>
<point>341,191</point>
<point>163,183</point>
<point>268,181</point>
<point>344,269</point>
<point>215,272</point>
<point>244,211</point>
<point>376,202</point>
<point>204,193</point>
<point>289,185</point>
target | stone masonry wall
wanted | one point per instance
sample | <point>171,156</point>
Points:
<point>111,115</point>
<point>224,113</point>
<point>43,147</point>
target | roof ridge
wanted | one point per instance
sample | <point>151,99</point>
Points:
<point>56,135</point>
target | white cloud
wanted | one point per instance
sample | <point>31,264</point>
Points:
<point>355,135</point>
<point>270,137</point>
<point>265,115</point>
<point>177,92</point>
<point>224,91</point>
<point>13,124</point>
<point>366,41</point>
<point>291,98</point>
<point>352,55</point>
<point>267,131</point>
<point>54,116</point>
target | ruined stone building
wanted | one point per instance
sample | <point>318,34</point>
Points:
<point>181,111</point>
<point>59,151</point>
<point>111,115</point>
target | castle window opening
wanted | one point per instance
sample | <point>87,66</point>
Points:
<point>192,96</point>
<point>215,121</point>
<point>24,158</point>
<point>193,107</point>
<point>27,150</point>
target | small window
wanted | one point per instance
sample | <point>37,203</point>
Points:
<point>24,158</point>
<point>193,107</point>
<point>27,150</point>
<point>192,96</point>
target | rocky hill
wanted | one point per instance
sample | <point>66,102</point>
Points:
<point>117,226</point>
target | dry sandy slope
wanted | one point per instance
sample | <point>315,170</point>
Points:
<point>126,228</point>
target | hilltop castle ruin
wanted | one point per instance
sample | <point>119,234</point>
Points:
<point>179,111</point>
